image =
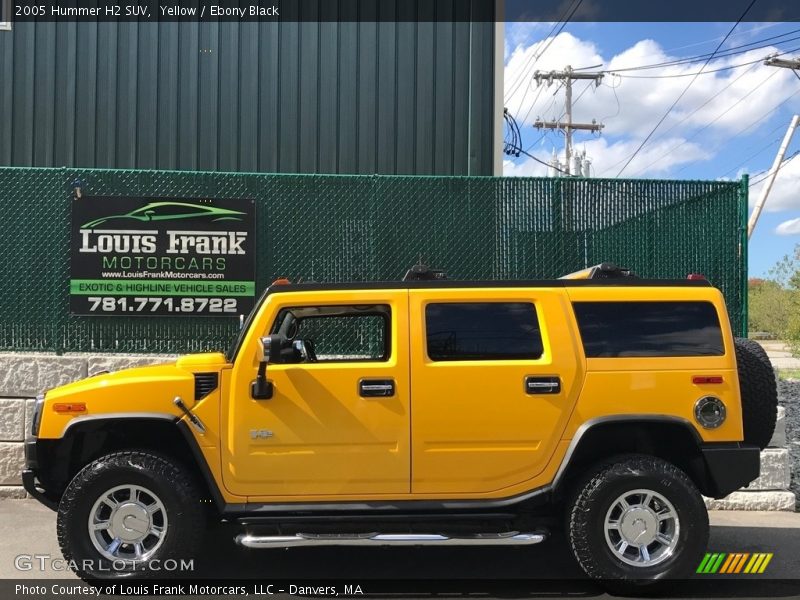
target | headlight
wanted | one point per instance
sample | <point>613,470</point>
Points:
<point>37,415</point>
<point>709,411</point>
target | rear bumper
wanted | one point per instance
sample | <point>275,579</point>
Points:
<point>730,467</point>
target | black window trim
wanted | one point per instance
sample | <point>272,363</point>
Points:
<point>588,356</point>
<point>386,317</point>
<point>529,301</point>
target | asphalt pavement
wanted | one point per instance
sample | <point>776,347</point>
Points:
<point>27,530</point>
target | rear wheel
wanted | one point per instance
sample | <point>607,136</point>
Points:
<point>636,521</point>
<point>758,390</point>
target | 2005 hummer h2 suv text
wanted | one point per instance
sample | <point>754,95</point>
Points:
<point>422,412</point>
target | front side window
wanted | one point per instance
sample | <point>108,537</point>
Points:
<point>642,329</point>
<point>335,333</point>
<point>483,331</point>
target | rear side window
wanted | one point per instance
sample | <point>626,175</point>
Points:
<point>483,331</point>
<point>621,329</point>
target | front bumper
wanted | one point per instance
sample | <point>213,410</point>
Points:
<point>730,467</point>
<point>29,481</point>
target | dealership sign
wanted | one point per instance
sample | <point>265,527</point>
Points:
<point>162,256</point>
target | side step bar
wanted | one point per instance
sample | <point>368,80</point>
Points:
<point>511,538</point>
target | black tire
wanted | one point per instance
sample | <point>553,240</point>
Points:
<point>170,484</point>
<point>599,490</point>
<point>759,392</point>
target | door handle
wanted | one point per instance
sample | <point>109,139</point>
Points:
<point>542,385</point>
<point>376,388</point>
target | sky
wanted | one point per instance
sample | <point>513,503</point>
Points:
<point>727,123</point>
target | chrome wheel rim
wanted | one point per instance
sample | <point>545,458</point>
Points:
<point>642,528</point>
<point>128,523</point>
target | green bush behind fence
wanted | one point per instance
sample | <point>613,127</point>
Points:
<point>335,228</point>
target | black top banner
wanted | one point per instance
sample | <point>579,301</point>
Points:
<point>162,256</point>
<point>407,10</point>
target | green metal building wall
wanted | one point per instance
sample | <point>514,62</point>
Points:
<point>404,97</point>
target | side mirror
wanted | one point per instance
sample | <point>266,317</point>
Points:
<point>269,348</point>
<point>264,349</point>
<point>149,214</point>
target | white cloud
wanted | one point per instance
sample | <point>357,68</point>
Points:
<point>785,192</point>
<point>654,159</point>
<point>790,227</point>
<point>639,103</point>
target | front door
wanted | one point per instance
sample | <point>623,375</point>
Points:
<point>338,421</point>
<point>495,380</point>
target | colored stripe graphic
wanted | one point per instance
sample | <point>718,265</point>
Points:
<point>703,563</point>
<point>740,564</point>
<point>737,562</point>
<point>716,565</point>
<point>757,564</point>
<point>727,564</point>
<point>765,563</point>
<point>753,560</point>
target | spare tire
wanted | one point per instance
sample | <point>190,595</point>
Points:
<point>759,392</point>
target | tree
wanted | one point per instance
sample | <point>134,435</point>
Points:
<point>782,299</point>
<point>768,307</point>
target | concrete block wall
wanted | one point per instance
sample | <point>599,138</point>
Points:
<point>771,491</point>
<point>22,378</point>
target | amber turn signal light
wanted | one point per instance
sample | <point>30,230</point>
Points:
<point>69,407</point>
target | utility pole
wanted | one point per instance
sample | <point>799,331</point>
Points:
<point>568,75</point>
<point>790,63</point>
<point>776,165</point>
<point>784,63</point>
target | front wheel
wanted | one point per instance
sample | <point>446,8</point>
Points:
<point>635,521</point>
<point>130,514</point>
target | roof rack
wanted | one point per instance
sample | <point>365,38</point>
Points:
<point>604,270</point>
<point>422,272</point>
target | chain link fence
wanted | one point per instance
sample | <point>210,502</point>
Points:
<point>333,228</point>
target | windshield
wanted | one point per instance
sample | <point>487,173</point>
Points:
<point>237,342</point>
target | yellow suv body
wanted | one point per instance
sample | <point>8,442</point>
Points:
<point>440,397</point>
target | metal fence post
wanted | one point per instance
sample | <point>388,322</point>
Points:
<point>744,190</point>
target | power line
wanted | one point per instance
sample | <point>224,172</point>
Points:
<point>710,123</point>
<point>733,51</point>
<point>616,98</point>
<point>683,93</point>
<point>738,33</point>
<point>560,170</point>
<point>710,71</point>
<point>763,117</point>
<point>711,99</point>
<point>761,150</point>
<point>674,125</point>
<point>785,162</point>
<point>535,100</point>
<point>536,55</point>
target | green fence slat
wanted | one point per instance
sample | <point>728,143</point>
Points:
<point>334,228</point>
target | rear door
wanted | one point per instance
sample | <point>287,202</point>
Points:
<point>494,380</point>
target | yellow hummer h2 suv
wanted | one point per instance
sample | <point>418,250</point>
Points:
<point>422,412</point>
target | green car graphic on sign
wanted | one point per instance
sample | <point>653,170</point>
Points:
<point>169,211</point>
